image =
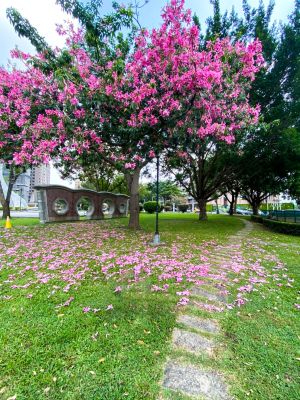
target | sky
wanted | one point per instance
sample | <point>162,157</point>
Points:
<point>44,14</point>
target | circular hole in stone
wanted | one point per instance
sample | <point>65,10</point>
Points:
<point>108,207</point>
<point>85,207</point>
<point>60,206</point>
<point>122,208</point>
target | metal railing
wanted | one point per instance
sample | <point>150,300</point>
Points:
<point>292,216</point>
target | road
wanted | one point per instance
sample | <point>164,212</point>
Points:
<point>23,214</point>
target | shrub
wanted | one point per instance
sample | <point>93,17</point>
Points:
<point>287,206</point>
<point>277,226</point>
<point>141,207</point>
<point>150,207</point>
<point>168,208</point>
<point>283,227</point>
<point>183,207</point>
<point>209,207</point>
<point>257,218</point>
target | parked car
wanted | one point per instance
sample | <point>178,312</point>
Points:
<point>243,211</point>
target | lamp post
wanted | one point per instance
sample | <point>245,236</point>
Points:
<point>156,239</point>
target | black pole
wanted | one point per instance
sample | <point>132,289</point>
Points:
<point>157,196</point>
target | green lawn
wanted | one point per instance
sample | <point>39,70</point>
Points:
<point>54,346</point>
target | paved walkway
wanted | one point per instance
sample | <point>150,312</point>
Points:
<point>199,335</point>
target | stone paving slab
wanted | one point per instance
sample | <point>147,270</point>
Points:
<point>191,380</point>
<point>206,325</point>
<point>192,342</point>
<point>198,291</point>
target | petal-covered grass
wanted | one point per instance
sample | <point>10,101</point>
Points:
<point>87,309</point>
<point>262,337</point>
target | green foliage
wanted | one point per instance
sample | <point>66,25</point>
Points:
<point>25,29</point>
<point>286,72</point>
<point>222,26</point>
<point>145,193</point>
<point>168,190</point>
<point>269,160</point>
<point>209,207</point>
<point>150,207</point>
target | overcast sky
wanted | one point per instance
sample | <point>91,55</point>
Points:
<point>44,14</point>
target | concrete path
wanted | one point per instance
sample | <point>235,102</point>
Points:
<point>197,336</point>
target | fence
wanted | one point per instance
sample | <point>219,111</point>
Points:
<point>286,215</point>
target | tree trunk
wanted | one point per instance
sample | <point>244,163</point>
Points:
<point>134,204</point>
<point>202,208</point>
<point>235,203</point>
<point>4,203</point>
<point>6,210</point>
<point>255,207</point>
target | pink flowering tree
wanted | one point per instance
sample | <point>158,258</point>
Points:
<point>193,101</point>
<point>23,95</point>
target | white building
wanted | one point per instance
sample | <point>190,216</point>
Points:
<point>40,175</point>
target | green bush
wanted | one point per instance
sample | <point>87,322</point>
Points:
<point>150,207</point>
<point>141,207</point>
<point>282,227</point>
<point>287,206</point>
<point>183,207</point>
<point>278,226</point>
<point>209,207</point>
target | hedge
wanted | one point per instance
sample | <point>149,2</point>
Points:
<point>277,226</point>
<point>150,207</point>
<point>257,218</point>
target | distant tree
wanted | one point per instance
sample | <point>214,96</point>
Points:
<point>145,193</point>
<point>94,173</point>
<point>204,171</point>
<point>276,88</point>
<point>231,192</point>
<point>268,163</point>
<point>168,190</point>
<point>286,72</point>
<point>294,189</point>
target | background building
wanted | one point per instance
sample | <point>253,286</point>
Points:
<point>40,175</point>
<point>23,189</point>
